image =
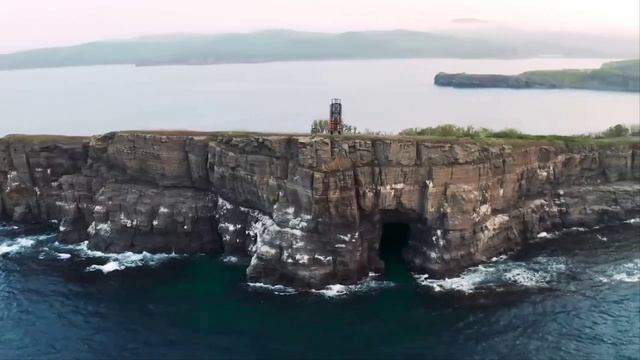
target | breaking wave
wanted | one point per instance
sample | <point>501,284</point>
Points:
<point>22,244</point>
<point>497,274</point>
<point>556,234</point>
<point>625,272</point>
<point>275,289</point>
<point>118,261</point>
<point>366,285</point>
<point>45,246</point>
<point>15,246</point>
<point>538,272</point>
<point>129,259</point>
<point>4,227</point>
<point>577,229</point>
<point>229,259</point>
<point>329,291</point>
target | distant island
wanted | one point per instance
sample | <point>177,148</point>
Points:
<point>288,45</point>
<point>612,76</point>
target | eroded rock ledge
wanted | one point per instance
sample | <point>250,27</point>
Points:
<point>308,211</point>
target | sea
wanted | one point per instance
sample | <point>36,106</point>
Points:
<point>377,95</point>
<point>568,295</point>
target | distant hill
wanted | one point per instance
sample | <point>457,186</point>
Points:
<point>287,45</point>
<point>616,76</point>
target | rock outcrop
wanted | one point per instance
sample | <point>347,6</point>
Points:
<point>309,211</point>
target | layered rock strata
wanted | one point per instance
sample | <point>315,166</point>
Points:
<point>309,211</point>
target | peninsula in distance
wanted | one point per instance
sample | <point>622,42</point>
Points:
<point>613,76</point>
<point>289,45</point>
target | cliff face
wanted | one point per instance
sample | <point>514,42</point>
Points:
<point>308,211</point>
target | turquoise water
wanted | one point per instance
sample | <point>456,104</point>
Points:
<point>381,95</point>
<point>574,296</point>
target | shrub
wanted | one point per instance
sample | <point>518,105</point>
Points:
<point>322,127</point>
<point>616,131</point>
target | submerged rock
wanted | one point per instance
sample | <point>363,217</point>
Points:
<point>309,211</point>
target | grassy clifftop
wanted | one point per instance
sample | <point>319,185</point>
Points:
<point>442,134</point>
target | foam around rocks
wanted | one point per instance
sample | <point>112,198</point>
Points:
<point>535,273</point>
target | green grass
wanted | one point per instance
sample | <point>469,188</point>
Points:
<point>464,136</point>
<point>628,67</point>
<point>45,138</point>
<point>623,75</point>
<point>561,78</point>
<point>513,136</point>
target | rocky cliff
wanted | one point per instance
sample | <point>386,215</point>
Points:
<point>308,211</point>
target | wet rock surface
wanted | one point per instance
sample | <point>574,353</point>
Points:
<point>309,211</point>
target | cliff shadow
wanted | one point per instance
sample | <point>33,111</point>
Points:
<point>393,243</point>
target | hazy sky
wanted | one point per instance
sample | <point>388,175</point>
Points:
<point>36,23</point>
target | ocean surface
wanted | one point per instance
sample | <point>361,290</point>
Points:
<point>380,95</point>
<point>573,295</point>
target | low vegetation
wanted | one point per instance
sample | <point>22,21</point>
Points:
<point>454,131</point>
<point>615,133</point>
<point>40,138</point>
<point>624,75</point>
<point>322,127</point>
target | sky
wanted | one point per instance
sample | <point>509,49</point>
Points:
<point>41,23</point>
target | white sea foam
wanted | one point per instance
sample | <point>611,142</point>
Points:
<point>633,221</point>
<point>45,248</point>
<point>330,291</point>
<point>122,260</point>
<point>467,282</point>
<point>500,272</point>
<point>556,234</point>
<point>22,244</point>
<point>626,277</point>
<point>128,259</point>
<point>82,249</point>
<point>499,258</point>
<point>106,268</point>
<point>230,259</point>
<point>627,272</point>
<point>333,290</point>
<point>339,290</point>
<point>546,235</point>
<point>15,246</point>
<point>527,277</point>
<point>276,289</point>
<point>8,227</point>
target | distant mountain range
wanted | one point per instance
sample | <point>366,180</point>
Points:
<point>288,45</point>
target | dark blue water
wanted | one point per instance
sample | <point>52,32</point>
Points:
<point>575,296</point>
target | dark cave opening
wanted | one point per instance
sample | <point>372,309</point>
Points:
<point>395,237</point>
